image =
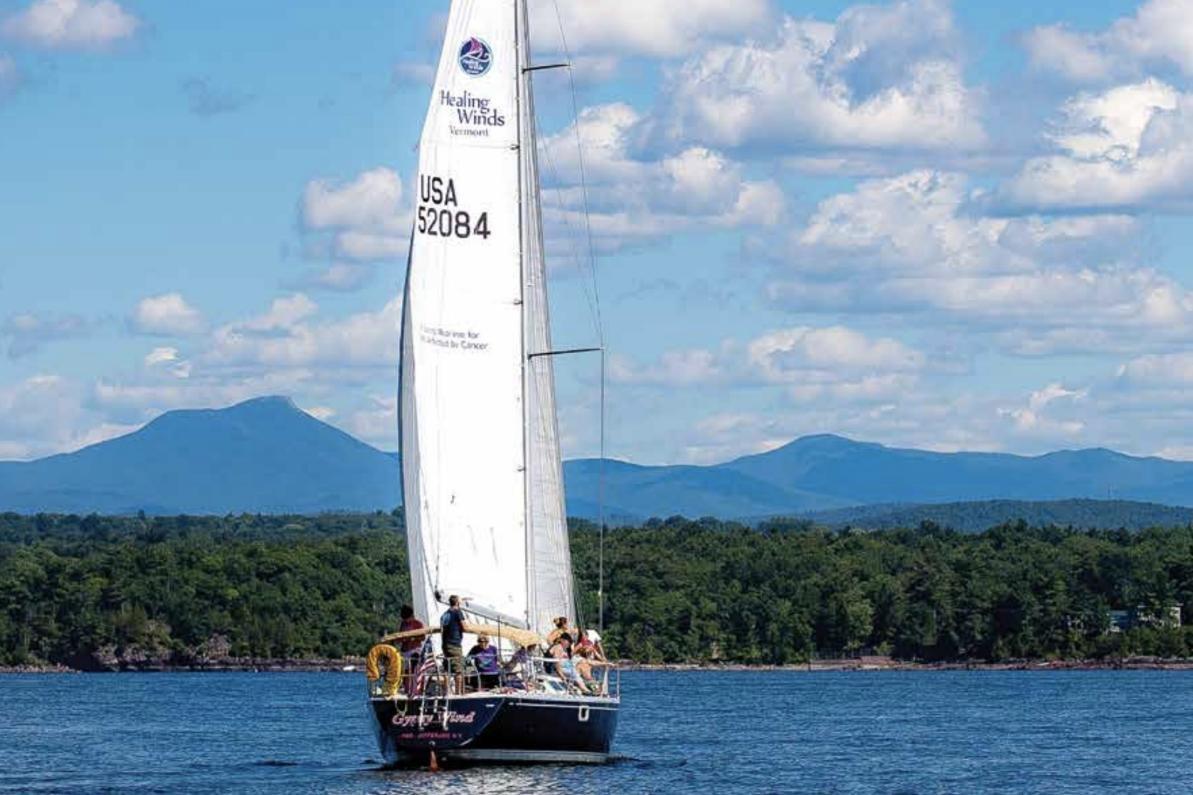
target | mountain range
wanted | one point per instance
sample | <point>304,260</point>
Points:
<point>268,456</point>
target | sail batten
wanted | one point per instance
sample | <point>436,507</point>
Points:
<point>481,469</point>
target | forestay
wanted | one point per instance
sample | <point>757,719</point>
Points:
<point>481,476</point>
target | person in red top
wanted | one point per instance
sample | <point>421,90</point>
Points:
<point>410,646</point>
<point>591,639</point>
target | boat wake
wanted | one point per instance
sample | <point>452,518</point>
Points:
<point>646,764</point>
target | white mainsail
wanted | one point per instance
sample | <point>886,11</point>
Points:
<point>481,472</point>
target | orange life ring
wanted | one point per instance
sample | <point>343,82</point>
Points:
<point>393,668</point>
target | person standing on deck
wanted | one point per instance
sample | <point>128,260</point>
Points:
<point>410,646</point>
<point>452,626</point>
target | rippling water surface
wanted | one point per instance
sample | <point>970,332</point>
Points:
<point>710,733</point>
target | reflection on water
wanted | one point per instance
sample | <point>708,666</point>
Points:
<point>499,781</point>
<point>504,780</point>
<point>703,733</point>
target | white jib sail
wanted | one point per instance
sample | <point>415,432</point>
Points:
<point>480,459</point>
<point>552,593</point>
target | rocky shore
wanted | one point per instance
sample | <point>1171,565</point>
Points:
<point>889,664</point>
<point>213,655</point>
<point>231,664</point>
<point>108,661</point>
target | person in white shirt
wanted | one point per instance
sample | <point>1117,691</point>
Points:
<point>591,639</point>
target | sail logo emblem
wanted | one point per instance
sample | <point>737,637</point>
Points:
<point>476,57</point>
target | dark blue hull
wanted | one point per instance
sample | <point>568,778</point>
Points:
<point>503,728</point>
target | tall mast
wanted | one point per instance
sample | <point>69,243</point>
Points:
<point>525,195</point>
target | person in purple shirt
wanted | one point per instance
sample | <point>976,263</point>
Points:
<point>484,657</point>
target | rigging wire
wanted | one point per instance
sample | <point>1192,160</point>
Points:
<point>569,236</point>
<point>600,327</point>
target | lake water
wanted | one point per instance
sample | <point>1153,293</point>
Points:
<point>708,733</point>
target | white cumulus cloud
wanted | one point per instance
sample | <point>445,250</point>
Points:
<point>654,28</point>
<point>376,422</point>
<point>168,359</point>
<point>1034,417</point>
<point>811,362</point>
<point>159,356</point>
<point>673,368</point>
<point>799,353</point>
<point>1128,147</point>
<point>28,332</point>
<point>45,414</point>
<point>1157,35</point>
<point>1159,370</point>
<point>915,244</point>
<point>339,277</point>
<point>72,24</point>
<point>167,315</point>
<point>366,217</point>
<point>880,77</point>
<point>322,413</point>
<point>289,335</point>
<point>633,200</point>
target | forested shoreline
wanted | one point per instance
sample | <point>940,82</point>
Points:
<point>102,593</point>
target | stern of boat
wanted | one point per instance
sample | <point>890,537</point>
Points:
<point>496,728</point>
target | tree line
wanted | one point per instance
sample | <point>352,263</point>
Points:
<point>74,590</point>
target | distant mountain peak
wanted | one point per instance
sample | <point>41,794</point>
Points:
<point>267,455</point>
<point>831,440</point>
<point>828,437</point>
<point>261,456</point>
<point>279,403</point>
<point>1095,452</point>
<point>814,443</point>
<point>251,417</point>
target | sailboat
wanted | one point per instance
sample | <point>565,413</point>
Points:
<point>482,476</point>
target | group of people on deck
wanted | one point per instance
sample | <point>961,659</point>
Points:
<point>574,658</point>
<point>571,656</point>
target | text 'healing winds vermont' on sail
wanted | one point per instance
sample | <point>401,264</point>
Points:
<point>482,476</point>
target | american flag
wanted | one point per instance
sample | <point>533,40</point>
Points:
<point>426,670</point>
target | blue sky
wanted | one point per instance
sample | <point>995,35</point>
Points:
<point>923,223</point>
